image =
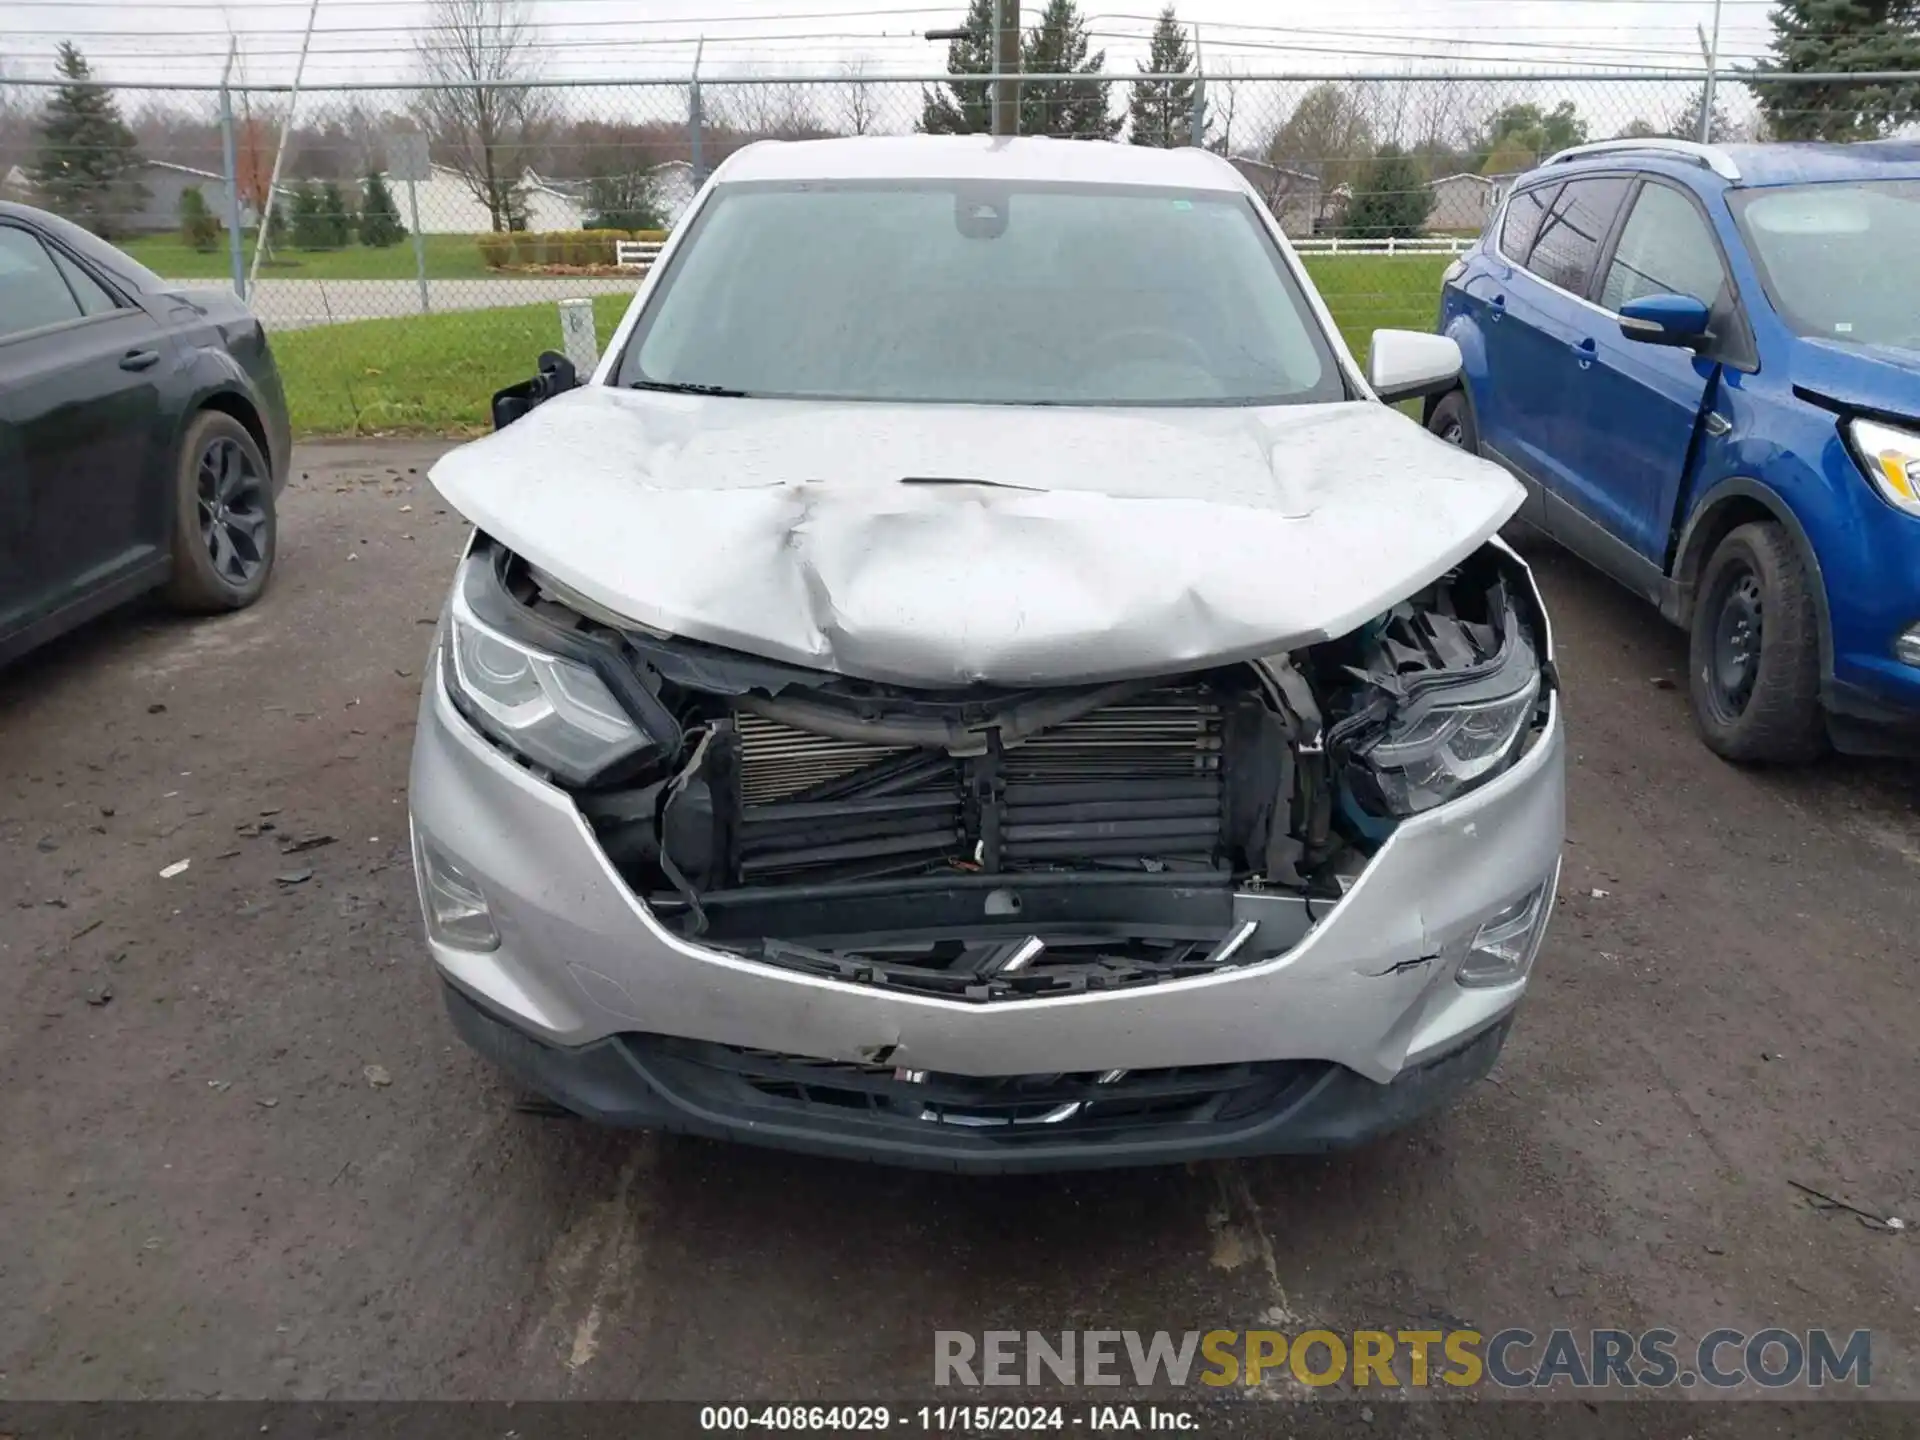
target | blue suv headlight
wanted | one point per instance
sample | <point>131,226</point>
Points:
<point>1891,458</point>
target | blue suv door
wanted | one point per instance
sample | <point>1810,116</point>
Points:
<point>1534,350</point>
<point>1633,416</point>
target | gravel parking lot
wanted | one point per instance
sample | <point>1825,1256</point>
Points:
<point>245,1157</point>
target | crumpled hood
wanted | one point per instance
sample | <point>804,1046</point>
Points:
<point>1873,377</point>
<point>1076,546</point>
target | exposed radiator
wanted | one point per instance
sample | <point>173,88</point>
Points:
<point>1138,781</point>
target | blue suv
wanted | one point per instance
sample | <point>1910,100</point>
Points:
<point>1703,362</point>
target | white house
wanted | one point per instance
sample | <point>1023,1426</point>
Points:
<point>448,205</point>
<point>1465,202</point>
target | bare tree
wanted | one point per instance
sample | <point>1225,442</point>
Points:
<point>858,110</point>
<point>481,107</point>
<point>766,110</point>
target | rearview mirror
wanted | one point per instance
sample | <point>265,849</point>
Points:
<point>1665,320</point>
<point>556,376</point>
<point>1410,364</point>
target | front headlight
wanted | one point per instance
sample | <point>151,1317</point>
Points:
<point>1891,458</point>
<point>554,712</point>
<point>1432,756</point>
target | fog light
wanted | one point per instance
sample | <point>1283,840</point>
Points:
<point>1906,648</point>
<point>456,909</point>
<point>1503,950</point>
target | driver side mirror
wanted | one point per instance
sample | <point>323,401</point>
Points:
<point>556,377</point>
<point>1410,364</point>
<point>1678,320</point>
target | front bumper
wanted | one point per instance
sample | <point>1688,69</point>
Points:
<point>871,1113</point>
<point>1370,989</point>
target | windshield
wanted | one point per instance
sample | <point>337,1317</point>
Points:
<point>1837,259</point>
<point>982,293</point>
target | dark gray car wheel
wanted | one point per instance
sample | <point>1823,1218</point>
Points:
<point>224,529</point>
<point>1755,651</point>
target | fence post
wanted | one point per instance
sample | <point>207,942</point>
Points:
<point>1197,123</point>
<point>582,346</point>
<point>693,118</point>
<point>235,260</point>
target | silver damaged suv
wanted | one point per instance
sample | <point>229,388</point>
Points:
<point>978,678</point>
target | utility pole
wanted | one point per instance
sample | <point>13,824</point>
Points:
<point>1711,48</point>
<point>1006,64</point>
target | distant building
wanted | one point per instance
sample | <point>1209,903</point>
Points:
<point>448,205</point>
<point>1293,196</point>
<point>1464,203</point>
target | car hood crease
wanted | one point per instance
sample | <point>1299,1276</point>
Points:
<point>1060,546</point>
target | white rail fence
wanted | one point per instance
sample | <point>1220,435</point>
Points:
<point>635,254</point>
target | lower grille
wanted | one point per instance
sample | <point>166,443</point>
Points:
<point>1006,1110</point>
<point>1134,782</point>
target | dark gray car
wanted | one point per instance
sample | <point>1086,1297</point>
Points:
<point>143,436</point>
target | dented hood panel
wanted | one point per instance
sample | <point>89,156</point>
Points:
<point>944,545</point>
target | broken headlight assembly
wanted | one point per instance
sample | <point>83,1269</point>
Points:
<point>1448,687</point>
<point>553,710</point>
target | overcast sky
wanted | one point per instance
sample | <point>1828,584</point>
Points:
<point>186,40</point>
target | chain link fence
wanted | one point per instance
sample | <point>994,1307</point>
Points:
<point>418,239</point>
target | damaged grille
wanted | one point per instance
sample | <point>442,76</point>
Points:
<point>971,1110</point>
<point>1138,780</point>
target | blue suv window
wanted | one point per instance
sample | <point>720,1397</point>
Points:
<point>1522,221</point>
<point>1665,249</point>
<point>1837,259</point>
<point>1574,229</point>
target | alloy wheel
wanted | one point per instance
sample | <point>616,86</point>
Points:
<point>232,498</point>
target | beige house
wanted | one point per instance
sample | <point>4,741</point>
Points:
<point>1293,196</point>
<point>1462,204</point>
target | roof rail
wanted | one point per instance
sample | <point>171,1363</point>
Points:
<point>1711,156</point>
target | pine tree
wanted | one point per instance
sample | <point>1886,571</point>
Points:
<point>964,107</point>
<point>198,226</point>
<point>306,217</point>
<point>1078,109</point>
<point>1160,112</point>
<point>1835,37</point>
<point>88,160</point>
<point>379,217</point>
<point>339,218</point>
<point>1392,198</point>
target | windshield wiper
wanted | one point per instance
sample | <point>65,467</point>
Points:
<point>686,387</point>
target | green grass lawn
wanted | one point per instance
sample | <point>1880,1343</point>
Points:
<point>449,257</point>
<point>434,374</point>
<point>421,374</point>
<point>1378,292</point>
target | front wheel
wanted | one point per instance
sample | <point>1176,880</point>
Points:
<point>1452,421</point>
<point>224,526</point>
<point>1755,651</point>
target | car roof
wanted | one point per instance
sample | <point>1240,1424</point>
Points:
<point>1783,163</point>
<point>122,266</point>
<point>1802,163</point>
<point>980,157</point>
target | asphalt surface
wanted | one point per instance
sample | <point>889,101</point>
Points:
<point>305,304</point>
<point>241,1154</point>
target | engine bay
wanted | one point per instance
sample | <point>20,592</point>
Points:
<point>992,843</point>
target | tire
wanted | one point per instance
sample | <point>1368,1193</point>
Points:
<point>225,533</point>
<point>1754,651</point>
<point>1452,421</point>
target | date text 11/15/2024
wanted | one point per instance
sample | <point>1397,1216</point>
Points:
<point>942,1419</point>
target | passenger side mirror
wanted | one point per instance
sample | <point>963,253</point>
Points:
<point>1665,320</point>
<point>556,377</point>
<point>1410,364</point>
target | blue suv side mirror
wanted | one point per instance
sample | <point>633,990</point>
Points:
<point>1665,320</point>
